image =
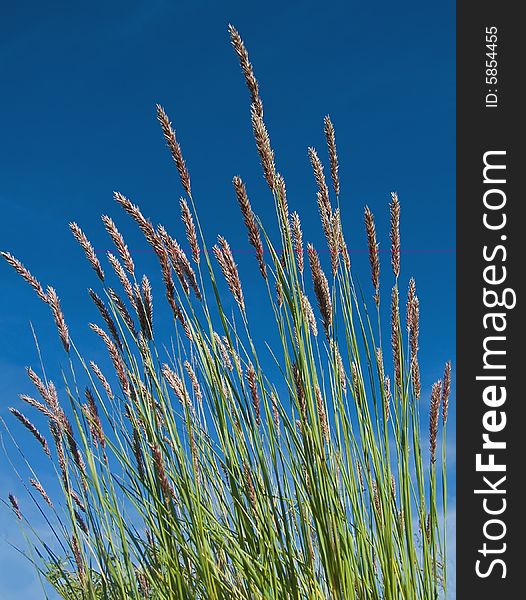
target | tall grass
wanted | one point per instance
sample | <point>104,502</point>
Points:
<point>223,466</point>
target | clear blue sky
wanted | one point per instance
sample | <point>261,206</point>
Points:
<point>77,121</point>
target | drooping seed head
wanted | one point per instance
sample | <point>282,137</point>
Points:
<point>254,236</point>
<point>135,212</point>
<point>25,274</point>
<point>175,148</point>
<point>40,489</point>
<point>177,385</point>
<point>102,379</point>
<point>118,362</point>
<point>54,303</point>
<point>123,278</point>
<point>31,428</point>
<point>105,314</point>
<point>228,266</point>
<point>81,238</point>
<point>121,246</point>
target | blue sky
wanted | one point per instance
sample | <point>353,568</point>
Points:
<point>77,121</point>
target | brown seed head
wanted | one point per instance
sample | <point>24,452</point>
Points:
<point>123,278</point>
<point>324,203</point>
<point>266,154</point>
<point>94,422</point>
<point>321,288</point>
<point>275,412</point>
<point>123,311</point>
<point>102,379</point>
<point>161,473</point>
<point>252,384</point>
<point>411,294</point>
<point>254,236</point>
<point>333,156</point>
<point>300,390</point>
<point>395,336</point>
<point>75,548</point>
<point>105,314</point>
<point>228,266</point>
<point>370,230</point>
<point>446,390</point>
<point>14,503</point>
<point>195,383</point>
<point>191,233</point>
<point>25,274</point>
<point>88,249</point>
<point>38,405</point>
<point>147,304</point>
<point>282,200</point>
<point>298,239</point>
<point>414,312</point>
<point>137,451</point>
<point>136,214</point>
<point>31,428</point>
<point>54,303</point>
<point>76,499</point>
<point>177,385</point>
<point>434,409</point>
<point>395,234</point>
<point>174,252</point>
<point>223,351</point>
<point>322,414</point>
<point>340,371</point>
<point>309,314</point>
<point>175,148</point>
<point>40,489</point>
<point>387,388</point>
<point>121,246</point>
<point>118,362</point>
<point>246,66</point>
<point>250,489</point>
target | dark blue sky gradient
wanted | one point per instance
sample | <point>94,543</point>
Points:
<point>77,120</point>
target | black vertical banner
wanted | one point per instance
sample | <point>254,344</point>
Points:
<point>491,259</point>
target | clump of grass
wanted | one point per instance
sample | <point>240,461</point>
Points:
<point>224,468</point>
